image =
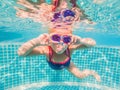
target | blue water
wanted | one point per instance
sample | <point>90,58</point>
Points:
<point>33,73</point>
<point>106,15</point>
<point>63,87</point>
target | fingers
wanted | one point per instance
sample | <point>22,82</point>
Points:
<point>21,52</point>
<point>72,39</point>
<point>75,39</point>
<point>24,49</point>
<point>88,42</point>
<point>96,76</point>
<point>43,36</point>
<point>91,41</point>
<point>77,15</point>
<point>44,39</point>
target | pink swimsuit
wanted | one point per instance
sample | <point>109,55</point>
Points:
<point>59,65</point>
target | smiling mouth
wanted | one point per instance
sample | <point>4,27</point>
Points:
<point>59,52</point>
<point>59,49</point>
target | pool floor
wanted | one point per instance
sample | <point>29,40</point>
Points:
<point>62,86</point>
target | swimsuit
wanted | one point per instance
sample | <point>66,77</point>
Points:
<point>59,65</point>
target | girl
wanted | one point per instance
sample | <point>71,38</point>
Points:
<point>58,47</point>
<point>59,44</point>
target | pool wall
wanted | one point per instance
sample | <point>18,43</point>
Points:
<point>16,71</point>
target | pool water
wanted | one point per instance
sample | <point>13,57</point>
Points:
<point>106,15</point>
<point>33,73</point>
<point>25,72</point>
<point>62,86</point>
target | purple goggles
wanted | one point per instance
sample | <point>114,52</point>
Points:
<point>65,38</point>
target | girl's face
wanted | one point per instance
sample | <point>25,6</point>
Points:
<point>59,41</point>
<point>59,48</point>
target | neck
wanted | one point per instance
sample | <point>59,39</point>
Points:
<point>54,53</point>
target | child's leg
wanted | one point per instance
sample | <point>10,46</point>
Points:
<point>82,74</point>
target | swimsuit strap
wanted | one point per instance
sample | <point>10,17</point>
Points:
<point>50,53</point>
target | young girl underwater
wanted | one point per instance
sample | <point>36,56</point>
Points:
<point>59,44</point>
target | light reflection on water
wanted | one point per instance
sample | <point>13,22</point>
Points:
<point>106,15</point>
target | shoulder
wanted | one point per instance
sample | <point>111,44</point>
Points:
<point>46,50</point>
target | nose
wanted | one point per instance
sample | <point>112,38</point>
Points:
<point>61,42</point>
<point>60,46</point>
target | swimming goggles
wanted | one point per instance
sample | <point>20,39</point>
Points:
<point>57,38</point>
<point>63,15</point>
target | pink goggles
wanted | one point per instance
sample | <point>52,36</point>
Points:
<point>65,38</point>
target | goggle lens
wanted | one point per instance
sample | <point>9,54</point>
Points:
<point>56,38</point>
<point>65,39</point>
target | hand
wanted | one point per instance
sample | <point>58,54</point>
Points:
<point>75,39</point>
<point>21,51</point>
<point>25,49</point>
<point>96,76</point>
<point>88,42</point>
<point>44,39</point>
<point>93,73</point>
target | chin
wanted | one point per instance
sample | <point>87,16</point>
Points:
<point>59,52</point>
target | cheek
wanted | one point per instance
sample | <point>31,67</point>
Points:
<point>54,46</point>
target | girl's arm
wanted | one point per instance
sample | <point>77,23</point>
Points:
<point>89,42</point>
<point>78,42</point>
<point>28,47</point>
<point>39,50</point>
